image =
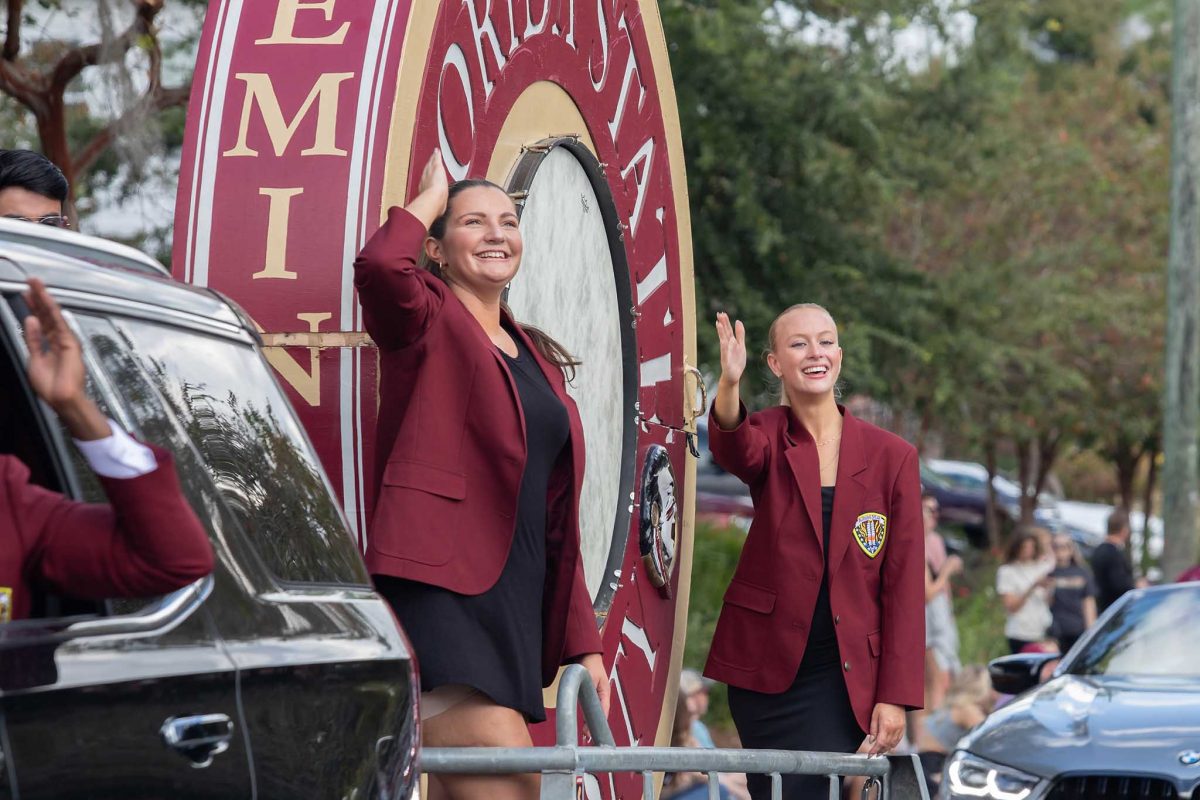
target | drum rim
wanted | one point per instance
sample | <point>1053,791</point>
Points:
<point>519,182</point>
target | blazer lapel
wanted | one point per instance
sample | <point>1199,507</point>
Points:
<point>806,469</point>
<point>848,497</point>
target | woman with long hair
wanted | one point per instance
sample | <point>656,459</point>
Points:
<point>821,637</point>
<point>1022,583</point>
<point>474,536</point>
<point>1072,594</point>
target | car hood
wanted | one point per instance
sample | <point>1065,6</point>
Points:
<point>1098,725</point>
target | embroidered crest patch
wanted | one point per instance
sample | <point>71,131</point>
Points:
<point>870,530</point>
<point>6,600</point>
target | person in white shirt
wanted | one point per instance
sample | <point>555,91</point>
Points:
<point>1023,586</point>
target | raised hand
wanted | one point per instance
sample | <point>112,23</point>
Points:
<point>55,368</point>
<point>432,192</point>
<point>733,349</point>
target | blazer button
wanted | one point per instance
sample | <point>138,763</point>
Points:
<point>837,620</point>
<point>846,666</point>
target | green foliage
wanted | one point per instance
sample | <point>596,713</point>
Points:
<point>715,555</point>
<point>979,613</point>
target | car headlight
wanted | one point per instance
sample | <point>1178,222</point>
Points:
<point>968,775</point>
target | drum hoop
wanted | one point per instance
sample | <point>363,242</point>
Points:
<point>519,182</point>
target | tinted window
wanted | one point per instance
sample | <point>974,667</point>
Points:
<point>1142,638</point>
<point>232,410</point>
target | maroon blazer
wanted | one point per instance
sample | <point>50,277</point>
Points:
<point>450,447</point>
<point>878,601</point>
<point>147,542</point>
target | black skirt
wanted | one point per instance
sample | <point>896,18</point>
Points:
<point>814,713</point>
<point>493,641</point>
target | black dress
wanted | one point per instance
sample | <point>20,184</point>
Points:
<point>493,641</point>
<point>814,713</point>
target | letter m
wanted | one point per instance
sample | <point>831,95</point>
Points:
<point>261,92</point>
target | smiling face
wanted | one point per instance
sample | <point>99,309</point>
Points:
<point>805,355</point>
<point>481,246</point>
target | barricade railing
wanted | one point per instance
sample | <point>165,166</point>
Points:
<point>887,778</point>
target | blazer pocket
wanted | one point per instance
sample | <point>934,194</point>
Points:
<point>426,478</point>
<point>874,643</point>
<point>747,595</point>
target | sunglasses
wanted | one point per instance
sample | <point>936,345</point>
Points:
<point>53,220</point>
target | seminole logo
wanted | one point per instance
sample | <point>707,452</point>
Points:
<point>869,531</point>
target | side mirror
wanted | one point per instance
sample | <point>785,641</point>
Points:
<point>1015,674</point>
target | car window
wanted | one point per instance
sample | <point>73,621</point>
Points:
<point>233,412</point>
<point>1142,638</point>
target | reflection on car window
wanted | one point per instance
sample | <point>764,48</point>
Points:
<point>248,437</point>
<point>1143,638</point>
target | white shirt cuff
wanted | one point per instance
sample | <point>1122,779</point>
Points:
<point>118,455</point>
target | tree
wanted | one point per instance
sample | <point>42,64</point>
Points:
<point>39,78</point>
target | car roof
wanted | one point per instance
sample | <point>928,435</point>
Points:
<point>92,249</point>
<point>118,285</point>
<point>961,467</point>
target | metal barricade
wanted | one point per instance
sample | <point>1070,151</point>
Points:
<point>894,777</point>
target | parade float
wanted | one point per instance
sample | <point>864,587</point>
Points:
<point>309,119</point>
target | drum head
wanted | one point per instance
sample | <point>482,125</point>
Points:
<point>574,284</point>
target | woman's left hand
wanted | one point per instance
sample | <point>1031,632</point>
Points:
<point>594,664</point>
<point>887,729</point>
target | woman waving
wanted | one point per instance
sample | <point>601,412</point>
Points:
<point>821,637</point>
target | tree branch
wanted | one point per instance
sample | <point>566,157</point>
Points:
<point>79,58</point>
<point>156,99</point>
<point>12,36</point>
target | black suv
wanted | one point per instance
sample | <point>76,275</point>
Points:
<point>283,675</point>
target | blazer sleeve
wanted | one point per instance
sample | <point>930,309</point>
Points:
<point>583,636</point>
<point>742,450</point>
<point>398,303</point>
<point>902,662</point>
<point>147,542</point>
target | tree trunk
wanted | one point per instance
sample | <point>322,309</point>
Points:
<point>1126,462</point>
<point>1182,390</point>
<point>991,518</point>
<point>1151,451</point>
<point>1025,478</point>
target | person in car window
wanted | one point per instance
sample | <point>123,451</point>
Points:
<point>822,634</point>
<point>147,542</point>
<point>32,189</point>
<point>474,536</point>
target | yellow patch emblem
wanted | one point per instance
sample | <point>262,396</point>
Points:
<point>869,531</point>
<point>6,594</point>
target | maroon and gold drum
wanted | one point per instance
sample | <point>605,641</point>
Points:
<point>309,118</point>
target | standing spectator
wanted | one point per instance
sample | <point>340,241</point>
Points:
<point>1073,600</point>
<point>1110,562</point>
<point>941,629</point>
<point>32,188</point>
<point>1023,585</point>
<point>695,690</point>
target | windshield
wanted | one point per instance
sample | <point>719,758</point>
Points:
<point>1147,636</point>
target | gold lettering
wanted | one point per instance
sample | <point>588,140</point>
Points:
<point>261,91</point>
<point>307,384</point>
<point>285,24</point>
<point>277,233</point>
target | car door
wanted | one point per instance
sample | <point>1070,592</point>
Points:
<point>133,700</point>
<point>325,679</point>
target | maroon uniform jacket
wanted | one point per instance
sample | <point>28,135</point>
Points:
<point>878,602</point>
<point>147,542</point>
<point>450,447</point>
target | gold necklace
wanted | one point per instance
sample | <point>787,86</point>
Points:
<point>829,441</point>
